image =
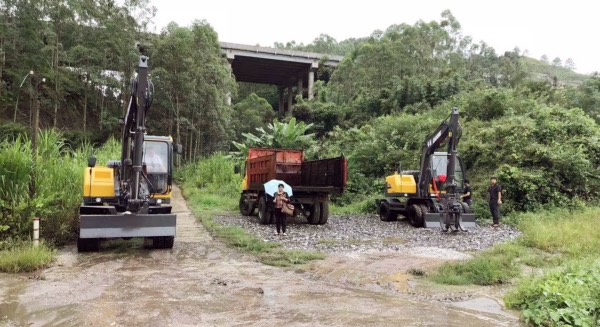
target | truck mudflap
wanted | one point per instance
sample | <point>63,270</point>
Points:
<point>127,225</point>
<point>432,220</point>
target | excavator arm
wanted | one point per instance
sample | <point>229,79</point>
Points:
<point>134,129</point>
<point>448,131</point>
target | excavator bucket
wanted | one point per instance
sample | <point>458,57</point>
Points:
<point>127,225</point>
<point>432,220</point>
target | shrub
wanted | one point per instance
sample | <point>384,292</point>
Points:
<point>562,298</point>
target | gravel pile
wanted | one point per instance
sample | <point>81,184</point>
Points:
<point>366,233</point>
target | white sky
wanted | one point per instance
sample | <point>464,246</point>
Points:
<point>558,29</point>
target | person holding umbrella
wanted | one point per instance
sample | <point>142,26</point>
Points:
<point>281,199</point>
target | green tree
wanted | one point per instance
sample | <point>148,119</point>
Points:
<point>251,113</point>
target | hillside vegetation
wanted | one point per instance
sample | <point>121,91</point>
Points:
<point>540,71</point>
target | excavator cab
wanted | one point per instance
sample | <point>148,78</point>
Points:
<point>158,162</point>
<point>439,165</point>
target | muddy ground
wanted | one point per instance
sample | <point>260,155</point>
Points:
<point>201,282</point>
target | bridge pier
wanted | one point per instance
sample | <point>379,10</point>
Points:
<point>290,100</point>
<point>281,108</point>
<point>299,90</point>
<point>311,81</point>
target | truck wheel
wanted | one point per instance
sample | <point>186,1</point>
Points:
<point>246,208</point>
<point>88,244</point>
<point>163,242</point>
<point>416,216</point>
<point>263,215</point>
<point>314,215</point>
<point>324,213</point>
<point>385,214</point>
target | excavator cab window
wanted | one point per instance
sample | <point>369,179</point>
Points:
<point>156,159</point>
<point>439,167</point>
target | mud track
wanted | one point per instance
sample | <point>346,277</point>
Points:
<point>204,283</point>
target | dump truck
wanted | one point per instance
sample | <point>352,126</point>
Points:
<point>430,196</point>
<point>131,197</point>
<point>312,182</point>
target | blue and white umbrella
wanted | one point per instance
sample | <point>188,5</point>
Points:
<point>272,186</point>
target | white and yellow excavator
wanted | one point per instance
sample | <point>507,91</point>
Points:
<point>131,197</point>
<point>430,197</point>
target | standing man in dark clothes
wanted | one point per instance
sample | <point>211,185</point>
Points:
<point>495,200</point>
<point>467,193</point>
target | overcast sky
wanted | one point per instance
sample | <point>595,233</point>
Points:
<point>565,29</point>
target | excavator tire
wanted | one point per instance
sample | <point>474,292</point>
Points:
<point>416,215</point>
<point>385,214</point>
<point>88,244</point>
<point>163,242</point>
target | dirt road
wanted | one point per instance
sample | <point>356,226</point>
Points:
<point>203,283</point>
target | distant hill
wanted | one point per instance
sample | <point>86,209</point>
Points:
<point>539,70</point>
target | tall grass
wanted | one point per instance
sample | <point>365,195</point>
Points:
<point>574,233</point>
<point>24,257</point>
<point>213,182</point>
<point>58,174</point>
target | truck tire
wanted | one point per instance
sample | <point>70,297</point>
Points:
<point>246,208</point>
<point>324,213</point>
<point>314,215</point>
<point>264,215</point>
<point>88,244</point>
<point>163,242</point>
<point>416,215</point>
<point>385,214</point>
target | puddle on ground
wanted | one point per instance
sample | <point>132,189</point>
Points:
<point>483,304</point>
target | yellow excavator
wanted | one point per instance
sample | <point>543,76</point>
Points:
<point>131,197</point>
<point>430,197</point>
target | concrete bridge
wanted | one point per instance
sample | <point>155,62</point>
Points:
<point>290,70</point>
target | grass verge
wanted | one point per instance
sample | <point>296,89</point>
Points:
<point>216,191</point>
<point>25,258</point>
<point>561,248</point>
<point>268,253</point>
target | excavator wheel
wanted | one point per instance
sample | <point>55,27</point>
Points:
<point>88,244</point>
<point>416,215</point>
<point>163,242</point>
<point>385,214</point>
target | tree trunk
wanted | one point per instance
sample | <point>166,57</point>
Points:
<point>178,131</point>
<point>56,77</point>
<point>34,145</point>
<point>101,107</point>
<point>84,109</point>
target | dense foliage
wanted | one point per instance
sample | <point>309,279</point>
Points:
<point>47,184</point>
<point>88,53</point>
<point>562,298</point>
